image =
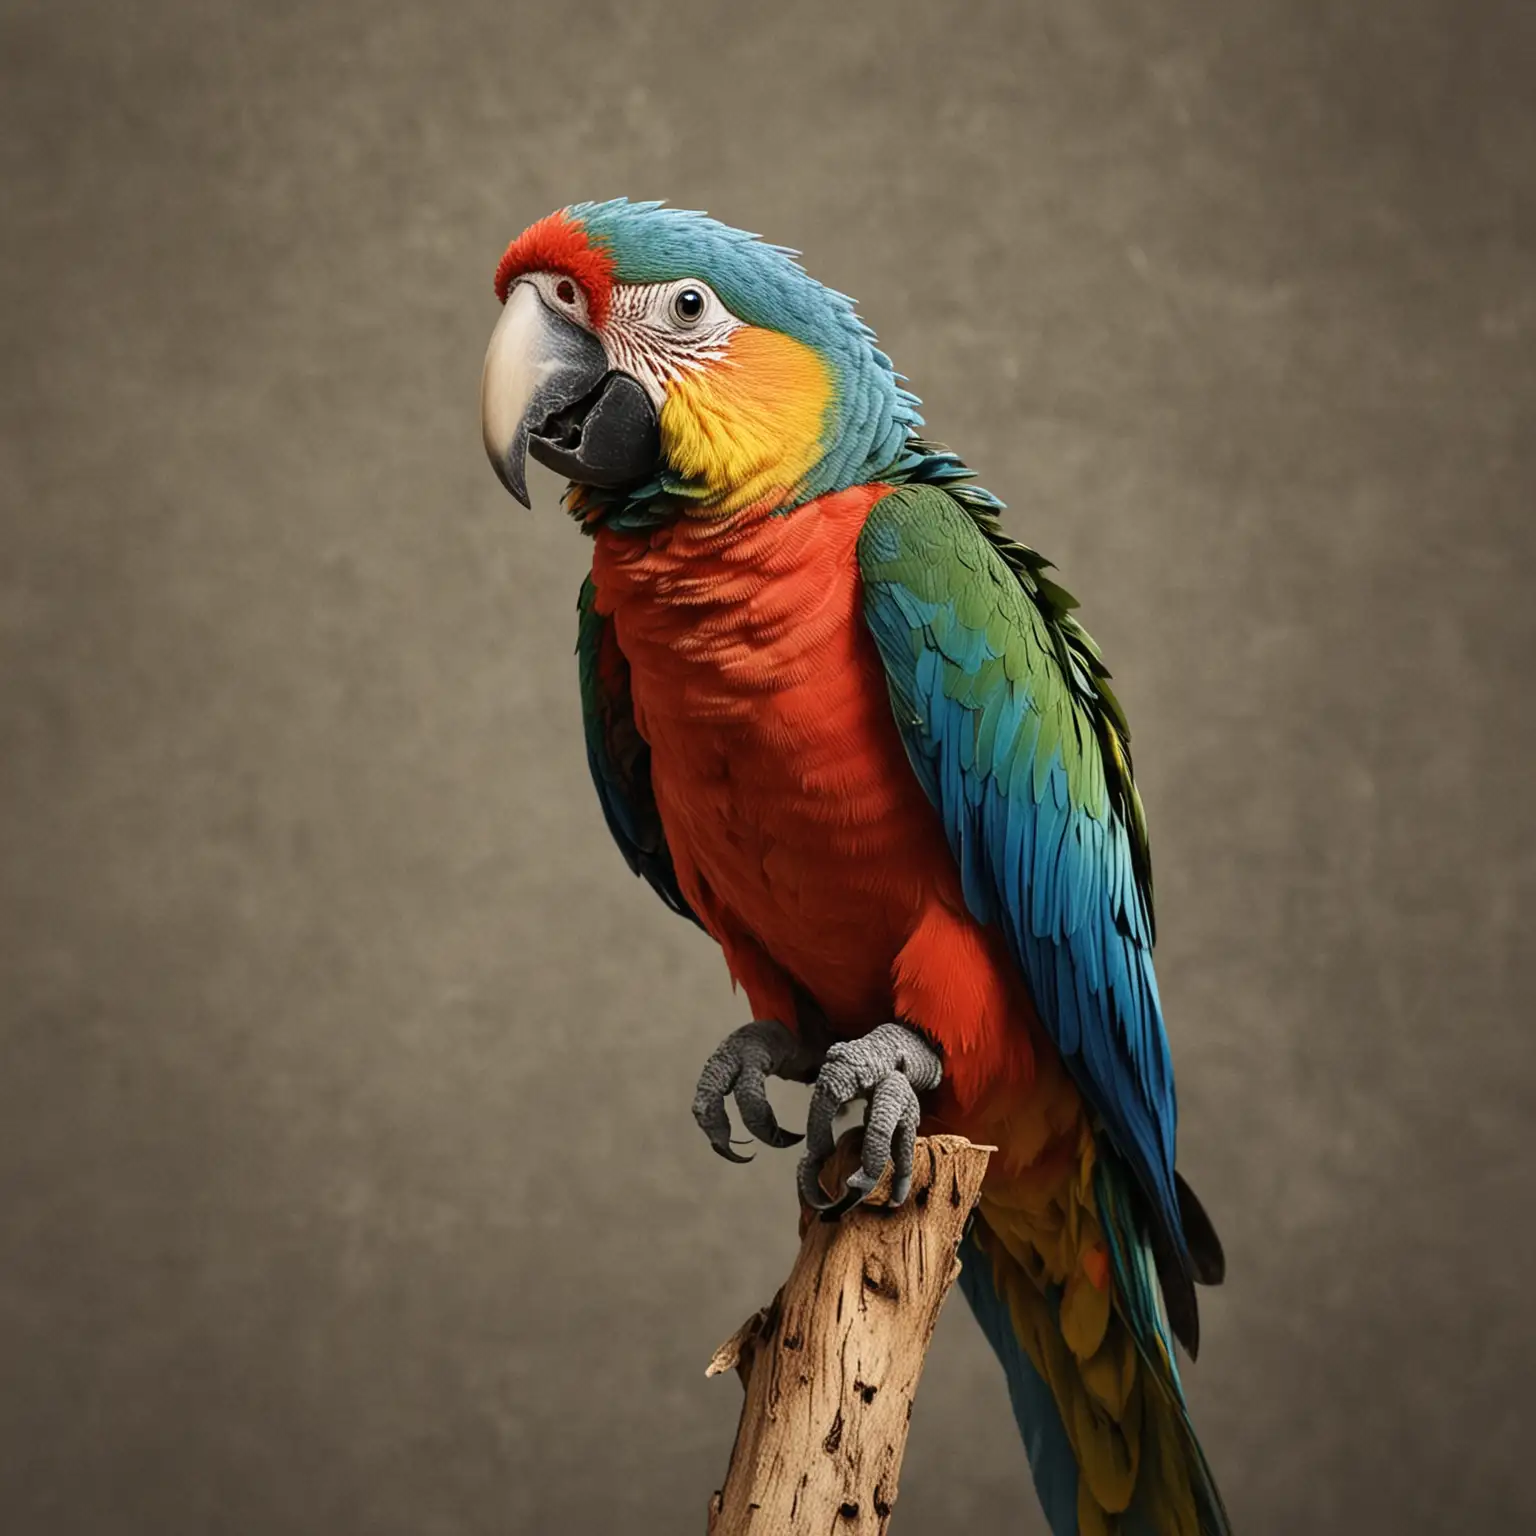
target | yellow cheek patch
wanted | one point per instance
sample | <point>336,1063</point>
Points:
<point>748,427</point>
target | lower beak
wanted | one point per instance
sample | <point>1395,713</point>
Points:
<point>547,389</point>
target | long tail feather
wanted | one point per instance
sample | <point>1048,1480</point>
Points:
<point>1175,1459</point>
<point>1174,1493</point>
<point>1051,1458</point>
<point>1206,1257</point>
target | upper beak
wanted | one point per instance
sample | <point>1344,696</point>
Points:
<point>547,388</point>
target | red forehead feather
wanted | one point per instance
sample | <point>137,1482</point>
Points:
<point>559,244</point>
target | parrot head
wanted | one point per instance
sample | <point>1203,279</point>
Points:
<point>655,354</point>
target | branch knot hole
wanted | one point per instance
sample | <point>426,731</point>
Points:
<point>879,1279</point>
<point>834,1435</point>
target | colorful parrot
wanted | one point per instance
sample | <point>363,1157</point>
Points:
<point>842,721</point>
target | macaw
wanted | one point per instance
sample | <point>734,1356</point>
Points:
<point>841,720</point>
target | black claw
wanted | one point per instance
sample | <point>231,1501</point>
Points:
<point>709,1111</point>
<point>775,1136</point>
<point>843,1204</point>
<point>809,1174</point>
<point>757,1113</point>
<point>858,1189</point>
<point>718,1129</point>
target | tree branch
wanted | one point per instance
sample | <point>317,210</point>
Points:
<point>831,1366</point>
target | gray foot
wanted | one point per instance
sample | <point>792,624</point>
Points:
<point>740,1067</point>
<point>889,1067</point>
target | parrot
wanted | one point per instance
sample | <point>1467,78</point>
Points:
<point>836,716</point>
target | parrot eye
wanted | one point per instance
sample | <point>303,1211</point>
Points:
<point>565,291</point>
<point>688,306</point>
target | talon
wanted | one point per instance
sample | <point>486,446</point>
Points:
<point>738,1068</point>
<point>842,1205</point>
<point>757,1113</point>
<point>857,1189</point>
<point>719,1134</point>
<point>809,1176</point>
<point>887,1068</point>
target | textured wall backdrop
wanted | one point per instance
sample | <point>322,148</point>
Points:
<point>347,1181</point>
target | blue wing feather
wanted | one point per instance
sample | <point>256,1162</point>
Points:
<point>991,701</point>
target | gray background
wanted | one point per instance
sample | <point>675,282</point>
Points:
<point>347,1182</point>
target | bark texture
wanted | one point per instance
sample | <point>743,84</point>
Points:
<point>831,1366</point>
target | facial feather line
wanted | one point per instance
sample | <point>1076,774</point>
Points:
<point>750,427</point>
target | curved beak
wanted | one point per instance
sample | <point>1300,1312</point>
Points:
<point>547,389</point>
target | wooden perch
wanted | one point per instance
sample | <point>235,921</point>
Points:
<point>831,1366</point>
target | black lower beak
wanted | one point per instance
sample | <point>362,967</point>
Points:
<point>610,437</point>
<point>548,389</point>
